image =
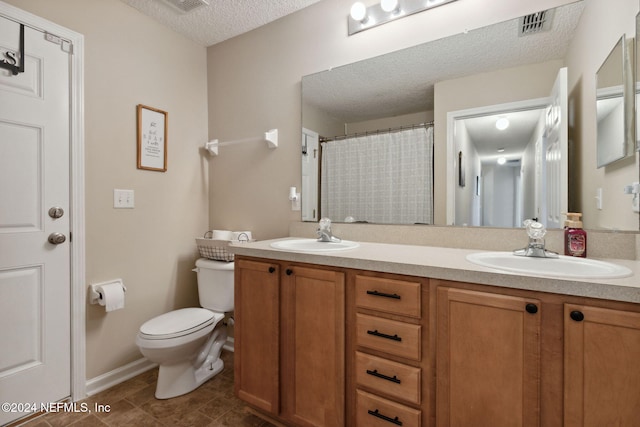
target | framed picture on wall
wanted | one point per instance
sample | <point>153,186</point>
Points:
<point>152,138</point>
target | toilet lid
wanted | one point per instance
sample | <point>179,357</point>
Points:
<point>177,323</point>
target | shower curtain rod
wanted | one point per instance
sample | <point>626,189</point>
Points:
<point>376,132</point>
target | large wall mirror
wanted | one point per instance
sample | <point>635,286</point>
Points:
<point>615,139</point>
<point>487,69</point>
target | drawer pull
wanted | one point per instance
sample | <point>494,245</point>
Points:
<point>375,373</point>
<point>381,335</point>
<point>382,294</point>
<point>377,413</point>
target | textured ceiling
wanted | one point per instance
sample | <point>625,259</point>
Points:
<point>222,19</point>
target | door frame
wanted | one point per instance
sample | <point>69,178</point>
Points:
<point>453,116</point>
<point>76,190</point>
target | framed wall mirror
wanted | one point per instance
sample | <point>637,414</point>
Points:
<point>614,106</point>
<point>637,81</point>
<point>481,68</point>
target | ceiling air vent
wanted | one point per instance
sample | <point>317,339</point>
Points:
<point>535,23</point>
<point>187,5</point>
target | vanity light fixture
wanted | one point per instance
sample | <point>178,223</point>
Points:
<point>359,12</point>
<point>502,123</point>
<point>362,17</point>
<point>389,5</point>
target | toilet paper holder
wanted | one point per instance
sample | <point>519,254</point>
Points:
<point>95,296</point>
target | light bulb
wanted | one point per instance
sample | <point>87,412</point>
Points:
<point>389,5</point>
<point>502,160</point>
<point>502,123</point>
<point>358,11</point>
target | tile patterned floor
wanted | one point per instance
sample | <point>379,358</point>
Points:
<point>132,403</point>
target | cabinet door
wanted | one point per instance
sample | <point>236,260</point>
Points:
<point>488,359</point>
<point>602,367</point>
<point>313,346</point>
<point>257,337</point>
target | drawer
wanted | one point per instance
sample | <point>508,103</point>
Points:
<point>388,377</point>
<point>390,336</point>
<point>374,411</point>
<point>391,296</point>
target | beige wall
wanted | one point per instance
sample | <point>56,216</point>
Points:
<point>254,85</point>
<point>129,60</point>
<point>601,26</point>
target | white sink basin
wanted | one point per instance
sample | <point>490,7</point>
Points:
<point>312,245</point>
<point>563,267</point>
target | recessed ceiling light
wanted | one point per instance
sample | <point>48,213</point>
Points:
<point>502,123</point>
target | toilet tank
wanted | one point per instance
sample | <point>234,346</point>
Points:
<point>215,284</point>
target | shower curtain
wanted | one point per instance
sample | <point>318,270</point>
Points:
<point>382,178</point>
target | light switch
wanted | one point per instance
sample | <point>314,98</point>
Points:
<point>123,199</point>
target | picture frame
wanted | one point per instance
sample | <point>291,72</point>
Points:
<point>461,170</point>
<point>152,138</point>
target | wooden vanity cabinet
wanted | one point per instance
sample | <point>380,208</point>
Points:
<point>488,359</point>
<point>313,346</point>
<point>257,334</point>
<point>319,346</point>
<point>289,341</point>
<point>602,366</point>
<point>390,366</point>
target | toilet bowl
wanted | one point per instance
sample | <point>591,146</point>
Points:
<point>186,343</point>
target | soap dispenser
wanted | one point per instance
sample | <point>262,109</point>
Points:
<point>575,238</point>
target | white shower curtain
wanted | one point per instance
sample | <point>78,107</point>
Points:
<point>381,178</point>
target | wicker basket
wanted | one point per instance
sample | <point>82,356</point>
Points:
<point>217,249</point>
<point>214,249</point>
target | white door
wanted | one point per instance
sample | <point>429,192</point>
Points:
<point>34,177</point>
<point>556,145</point>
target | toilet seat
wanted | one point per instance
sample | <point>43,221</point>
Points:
<point>179,323</point>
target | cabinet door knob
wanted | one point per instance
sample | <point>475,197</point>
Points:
<point>272,269</point>
<point>576,315</point>
<point>531,308</point>
<point>289,272</point>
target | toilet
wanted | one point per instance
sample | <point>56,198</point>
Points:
<point>186,343</point>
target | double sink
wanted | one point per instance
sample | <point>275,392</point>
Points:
<point>560,267</point>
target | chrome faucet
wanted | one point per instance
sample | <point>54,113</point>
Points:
<point>324,232</point>
<point>536,246</point>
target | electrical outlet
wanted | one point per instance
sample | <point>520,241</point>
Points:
<point>123,199</point>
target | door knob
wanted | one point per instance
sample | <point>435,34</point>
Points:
<point>56,212</point>
<point>57,238</point>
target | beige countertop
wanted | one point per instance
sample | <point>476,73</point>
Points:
<point>451,264</point>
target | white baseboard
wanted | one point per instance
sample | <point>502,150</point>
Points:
<point>118,375</point>
<point>130,370</point>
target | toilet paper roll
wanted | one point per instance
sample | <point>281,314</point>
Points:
<point>222,235</point>
<point>111,295</point>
